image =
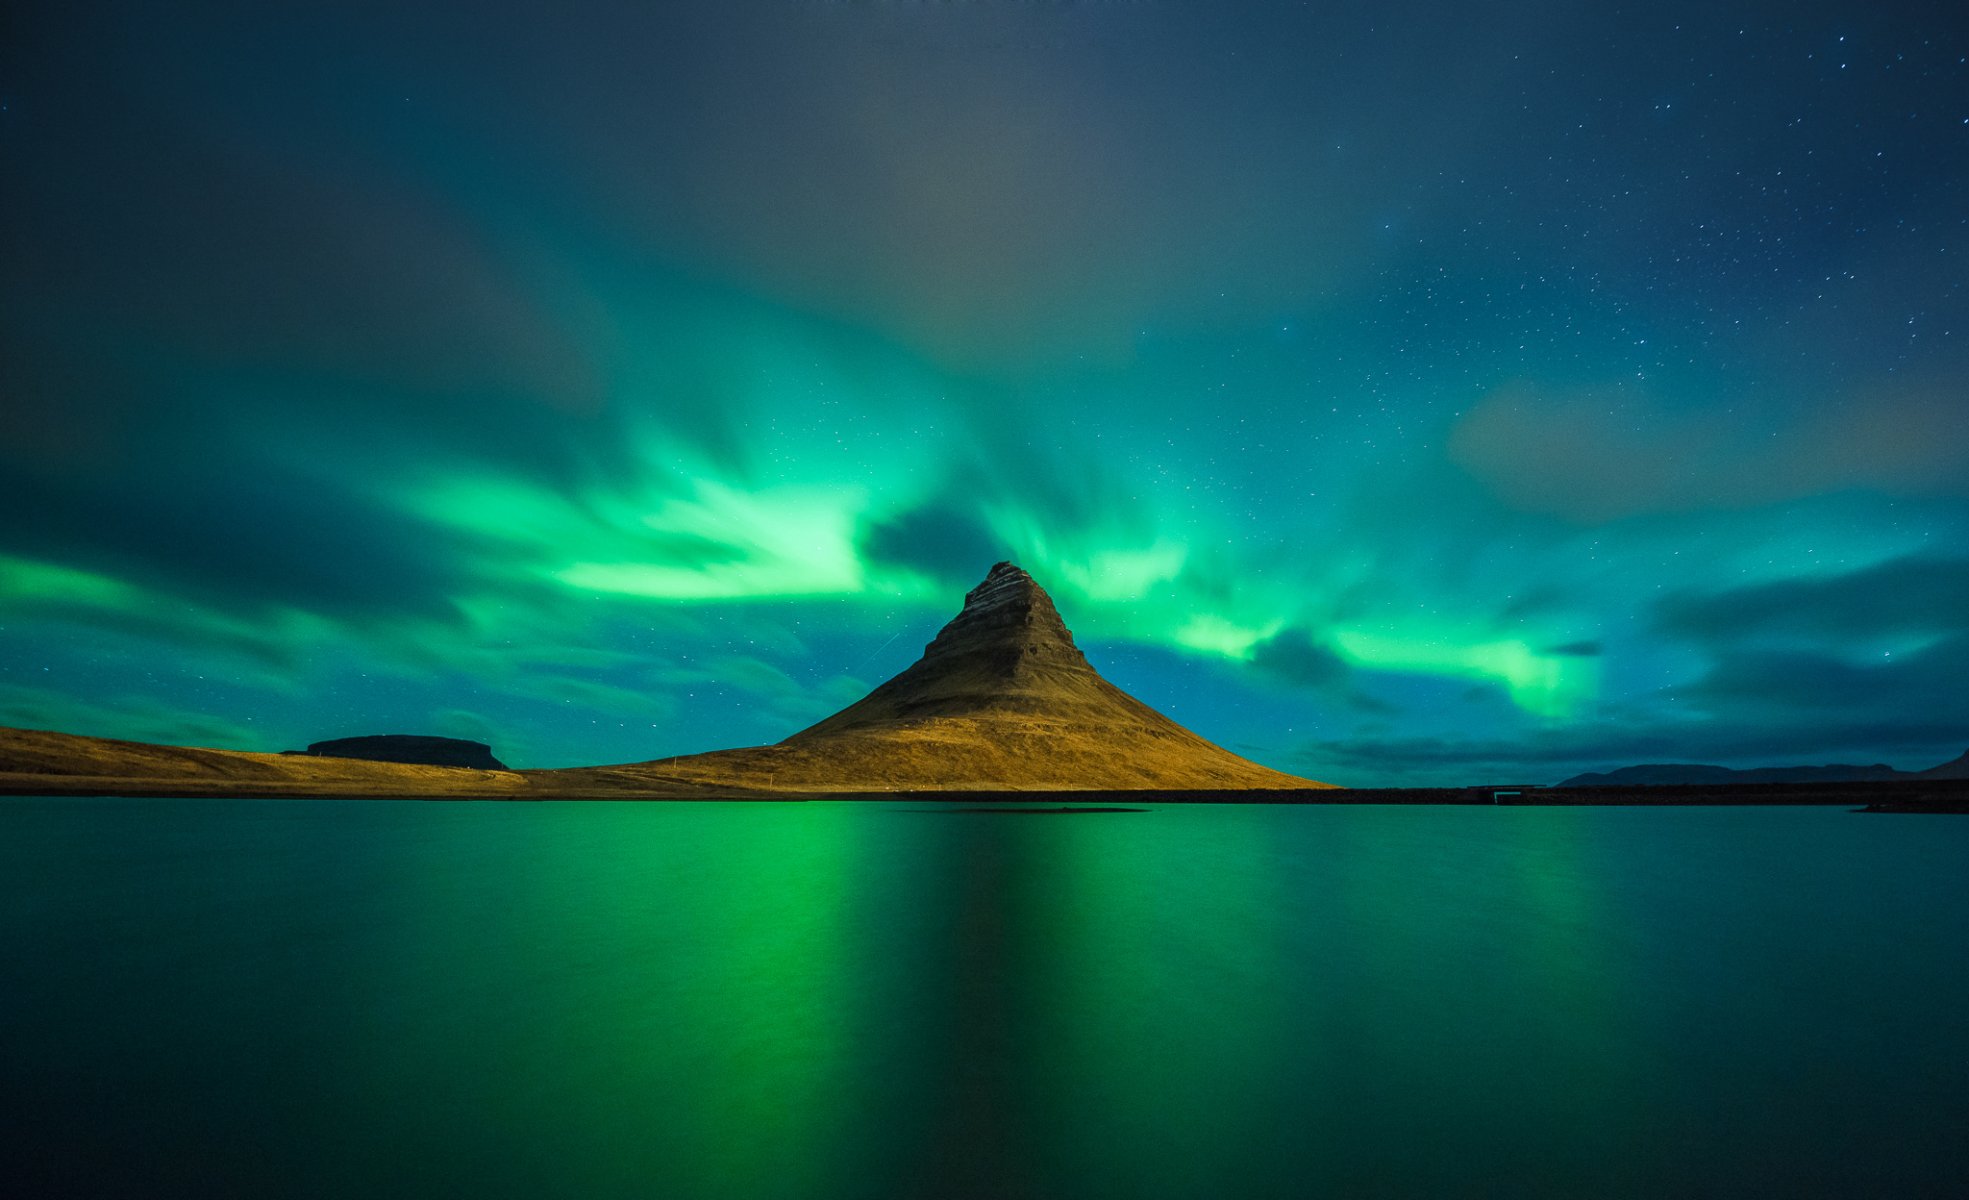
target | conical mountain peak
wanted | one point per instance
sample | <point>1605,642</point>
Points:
<point>1008,620</point>
<point>1001,699</point>
<point>1006,651</point>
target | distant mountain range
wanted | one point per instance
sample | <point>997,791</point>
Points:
<point>1668,774</point>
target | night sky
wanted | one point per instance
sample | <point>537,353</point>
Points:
<point>1393,393</point>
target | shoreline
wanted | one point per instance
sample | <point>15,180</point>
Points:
<point>1922,796</point>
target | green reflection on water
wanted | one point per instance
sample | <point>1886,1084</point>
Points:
<point>1166,1038</point>
<point>859,1000</point>
<point>611,1008</point>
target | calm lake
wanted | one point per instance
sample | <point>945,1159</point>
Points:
<point>317,998</point>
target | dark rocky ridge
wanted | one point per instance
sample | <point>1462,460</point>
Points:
<point>411,748</point>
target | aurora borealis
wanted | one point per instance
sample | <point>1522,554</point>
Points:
<point>1394,394</point>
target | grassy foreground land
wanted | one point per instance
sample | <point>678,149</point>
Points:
<point>39,763</point>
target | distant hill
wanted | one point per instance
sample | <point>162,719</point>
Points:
<point>1671,774</point>
<point>411,748</point>
<point>1955,768</point>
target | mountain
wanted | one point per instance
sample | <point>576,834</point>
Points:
<point>1955,768</point>
<point>1002,700</point>
<point>1666,774</point>
<point>411,748</point>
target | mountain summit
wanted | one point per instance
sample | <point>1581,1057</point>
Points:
<point>1002,700</point>
<point>1006,653</point>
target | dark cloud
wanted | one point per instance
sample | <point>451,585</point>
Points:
<point>1583,649</point>
<point>1597,455</point>
<point>227,250</point>
<point>939,540</point>
<point>244,537</point>
<point>1775,687</point>
<point>999,181</point>
<point>25,706</point>
<point>1918,595</point>
<point>1294,656</point>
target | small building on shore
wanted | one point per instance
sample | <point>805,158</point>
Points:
<point>1503,793</point>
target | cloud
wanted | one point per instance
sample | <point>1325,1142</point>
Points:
<point>239,238</point>
<point>940,540</point>
<point>1911,595</point>
<point>59,598</point>
<point>1749,707</point>
<point>1601,455</point>
<point>1293,655</point>
<point>1549,684</point>
<point>990,181</point>
<point>253,537</point>
<point>1773,687</point>
<point>131,717</point>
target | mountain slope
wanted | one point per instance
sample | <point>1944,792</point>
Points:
<point>1002,699</point>
<point>1955,768</point>
<point>37,762</point>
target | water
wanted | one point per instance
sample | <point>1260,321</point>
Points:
<point>216,998</point>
